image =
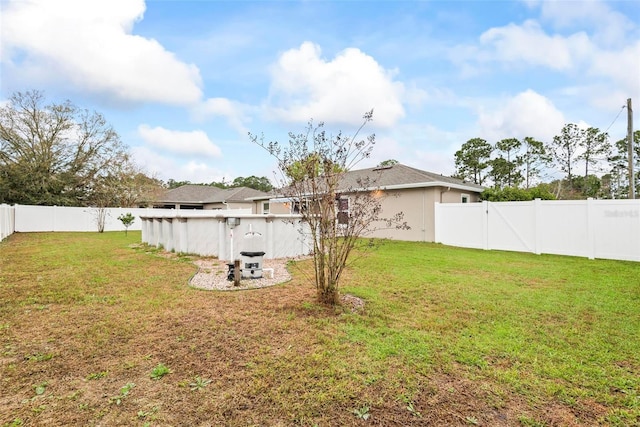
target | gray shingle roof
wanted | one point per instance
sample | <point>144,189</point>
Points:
<point>401,176</point>
<point>239,194</point>
<point>193,193</point>
<point>397,176</point>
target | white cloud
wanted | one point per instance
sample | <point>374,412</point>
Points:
<point>529,43</point>
<point>89,45</point>
<point>232,111</point>
<point>526,114</point>
<point>192,143</point>
<point>590,51</point>
<point>304,86</point>
<point>166,167</point>
<point>608,26</point>
<point>622,66</point>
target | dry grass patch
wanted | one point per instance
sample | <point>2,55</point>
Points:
<point>86,319</point>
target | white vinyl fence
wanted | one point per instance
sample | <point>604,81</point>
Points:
<point>203,232</point>
<point>59,218</point>
<point>225,234</point>
<point>7,221</point>
<point>607,229</point>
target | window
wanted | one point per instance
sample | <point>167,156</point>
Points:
<point>265,207</point>
<point>300,207</point>
<point>343,211</point>
<point>464,198</point>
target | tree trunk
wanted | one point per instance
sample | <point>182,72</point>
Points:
<point>328,295</point>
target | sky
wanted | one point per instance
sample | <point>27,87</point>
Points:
<point>184,82</point>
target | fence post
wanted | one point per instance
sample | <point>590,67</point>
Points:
<point>436,222</point>
<point>591,235</point>
<point>180,234</point>
<point>485,225</point>
<point>536,226</point>
<point>236,272</point>
<point>222,238</point>
<point>167,224</point>
<point>269,236</point>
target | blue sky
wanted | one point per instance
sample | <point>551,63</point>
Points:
<point>183,82</point>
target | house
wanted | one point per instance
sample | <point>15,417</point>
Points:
<point>411,191</point>
<point>206,197</point>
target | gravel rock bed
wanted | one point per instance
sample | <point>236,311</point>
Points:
<point>212,275</point>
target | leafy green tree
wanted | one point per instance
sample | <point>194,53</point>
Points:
<point>508,149</point>
<point>127,220</point>
<point>596,148</point>
<point>564,149</point>
<point>172,183</point>
<point>619,167</point>
<point>312,167</point>
<point>585,187</point>
<point>54,154</point>
<point>387,163</point>
<point>127,187</point>
<point>534,160</point>
<point>257,183</point>
<point>507,194</point>
<point>472,159</point>
<point>220,184</point>
<point>500,169</point>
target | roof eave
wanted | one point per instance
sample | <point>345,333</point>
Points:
<point>428,184</point>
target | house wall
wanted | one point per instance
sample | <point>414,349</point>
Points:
<point>230,205</point>
<point>257,208</point>
<point>451,195</point>
<point>279,208</point>
<point>417,206</point>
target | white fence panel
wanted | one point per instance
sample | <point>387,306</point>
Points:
<point>62,218</point>
<point>279,236</point>
<point>511,226</point>
<point>588,228</point>
<point>461,224</point>
<point>290,238</point>
<point>7,221</point>
<point>565,227</point>
<point>616,229</point>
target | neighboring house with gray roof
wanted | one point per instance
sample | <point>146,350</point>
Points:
<point>207,197</point>
<point>411,191</point>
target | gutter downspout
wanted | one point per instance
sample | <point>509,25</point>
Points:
<point>424,214</point>
<point>445,191</point>
<point>441,193</point>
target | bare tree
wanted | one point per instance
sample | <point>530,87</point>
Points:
<point>337,207</point>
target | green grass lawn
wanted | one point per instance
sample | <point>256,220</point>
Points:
<point>96,330</point>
